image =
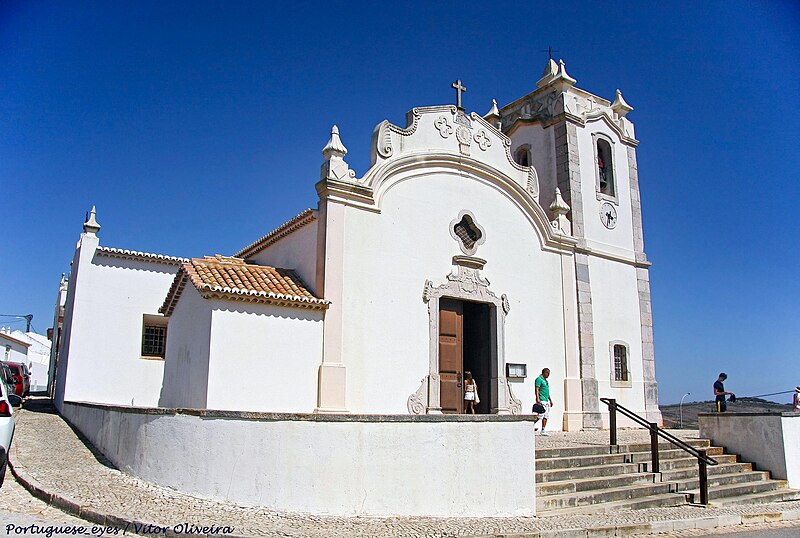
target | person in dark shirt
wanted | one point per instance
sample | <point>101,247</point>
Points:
<point>720,392</point>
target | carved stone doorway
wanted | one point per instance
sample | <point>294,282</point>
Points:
<point>465,286</point>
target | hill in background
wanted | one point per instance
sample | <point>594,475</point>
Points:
<point>671,413</point>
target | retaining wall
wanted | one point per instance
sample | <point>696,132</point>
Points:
<point>428,465</point>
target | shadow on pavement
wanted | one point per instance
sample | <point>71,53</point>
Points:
<point>45,405</point>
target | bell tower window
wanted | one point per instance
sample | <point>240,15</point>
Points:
<point>605,168</point>
<point>523,155</point>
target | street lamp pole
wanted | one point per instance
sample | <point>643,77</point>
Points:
<point>680,407</point>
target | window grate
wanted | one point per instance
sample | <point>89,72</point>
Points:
<point>154,340</point>
<point>620,363</point>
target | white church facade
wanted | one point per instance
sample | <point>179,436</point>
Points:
<point>499,244</point>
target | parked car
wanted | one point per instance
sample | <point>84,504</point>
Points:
<point>22,378</point>
<point>6,374</point>
<point>7,398</point>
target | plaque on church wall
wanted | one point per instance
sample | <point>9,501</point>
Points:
<point>516,371</point>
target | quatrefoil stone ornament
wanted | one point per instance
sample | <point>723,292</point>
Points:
<point>483,140</point>
<point>444,128</point>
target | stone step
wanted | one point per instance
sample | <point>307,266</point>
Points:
<point>778,495</point>
<point>593,484</point>
<point>591,498</point>
<point>652,501</point>
<point>592,471</point>
<point>665,456</point>
<point>597,450</point>
<point>736,490</point>
<point>715,482</point>
<point>691,462</point>
<point>683,473</point>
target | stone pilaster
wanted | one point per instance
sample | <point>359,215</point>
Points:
<point>568,179</point>
<point>645,306</point>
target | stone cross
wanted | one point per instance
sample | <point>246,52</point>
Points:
<point>458,88</point>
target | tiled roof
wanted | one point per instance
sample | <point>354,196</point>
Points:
<point>135,255</point>
<point>220,277</point>
<point>306,217</point>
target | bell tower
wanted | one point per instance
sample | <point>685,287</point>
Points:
<point>584,146</point>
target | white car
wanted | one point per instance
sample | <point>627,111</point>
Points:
<point>6,424</point>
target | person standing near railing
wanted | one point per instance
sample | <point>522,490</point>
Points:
<point>720,392</point>
<point>796,400</point>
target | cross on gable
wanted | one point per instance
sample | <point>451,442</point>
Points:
<point>458,88</point>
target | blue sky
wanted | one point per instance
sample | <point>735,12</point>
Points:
<point>196,127</point>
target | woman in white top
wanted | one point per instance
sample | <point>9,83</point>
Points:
<point>470,393</point>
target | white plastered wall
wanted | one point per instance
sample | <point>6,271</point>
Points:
<point>102,359</point>
<point>297,251</point>
<point>186,364</point>
<point>12,351</point>
<point>263,357</point>
<point>543,157</point>
<point>388,258</point>
<point>615,310</point>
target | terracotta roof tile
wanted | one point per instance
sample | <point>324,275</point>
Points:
<point>232,278</point>
<point>306,217</point>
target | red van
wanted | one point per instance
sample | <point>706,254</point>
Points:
<point>21,378</point>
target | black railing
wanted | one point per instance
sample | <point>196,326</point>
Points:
<point>703,459</point>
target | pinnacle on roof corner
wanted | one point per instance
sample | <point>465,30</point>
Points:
<point>493,112</point>
<point>91,226</point>
<point>562,73</point>
<point>620,106</point>
<point>559,206</point>
<point>334,145</point>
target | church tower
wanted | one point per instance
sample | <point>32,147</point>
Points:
<point>584,146</point>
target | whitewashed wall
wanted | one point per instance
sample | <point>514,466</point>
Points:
<point>13,351</point>
<point>297,251</point>
<point>615,311</point>
<point>770,441</point>
<point>186,364</point>
<point>263,357</point>
<point>543,155</point>
<point>388,258</point>
<point>100,359</point>
<point>327,465</point>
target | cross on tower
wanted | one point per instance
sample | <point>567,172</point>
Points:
<point>550,51</point>
<point>458,88</point>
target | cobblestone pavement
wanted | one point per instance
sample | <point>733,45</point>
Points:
<point>19,506</point>
<point>49,455</point>
<point>600,438</point>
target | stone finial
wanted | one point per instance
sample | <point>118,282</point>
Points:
<point>91,225</point>
<point>562,75</point>
<point>548,74</point>
<point>560,209</point>
<point>559,206</point>
<point>334,166</point>
<point>334,145</point>
<point>620,106</point>
<point>493,116</point>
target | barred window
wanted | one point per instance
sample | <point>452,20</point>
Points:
<point>620,363</point>
<point>154,336</point>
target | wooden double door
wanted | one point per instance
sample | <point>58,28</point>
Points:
<point>465,345</point>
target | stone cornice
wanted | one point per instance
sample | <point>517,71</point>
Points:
<point>584,249</point>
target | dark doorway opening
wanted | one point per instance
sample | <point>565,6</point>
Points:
<point>465,345</point>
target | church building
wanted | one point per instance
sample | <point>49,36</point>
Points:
<point>496,244</point>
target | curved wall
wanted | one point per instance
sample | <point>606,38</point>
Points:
<point>376,465</point>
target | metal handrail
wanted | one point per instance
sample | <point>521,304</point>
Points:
<point>703,459</point>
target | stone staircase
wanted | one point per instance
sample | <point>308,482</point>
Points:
<point>591,479</point>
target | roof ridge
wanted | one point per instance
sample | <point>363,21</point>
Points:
<point>295,223</point>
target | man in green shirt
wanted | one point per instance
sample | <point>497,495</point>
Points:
<point>543,397</point>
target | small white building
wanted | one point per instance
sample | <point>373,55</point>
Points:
<point>14,348</point>
<point>499,244</point>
